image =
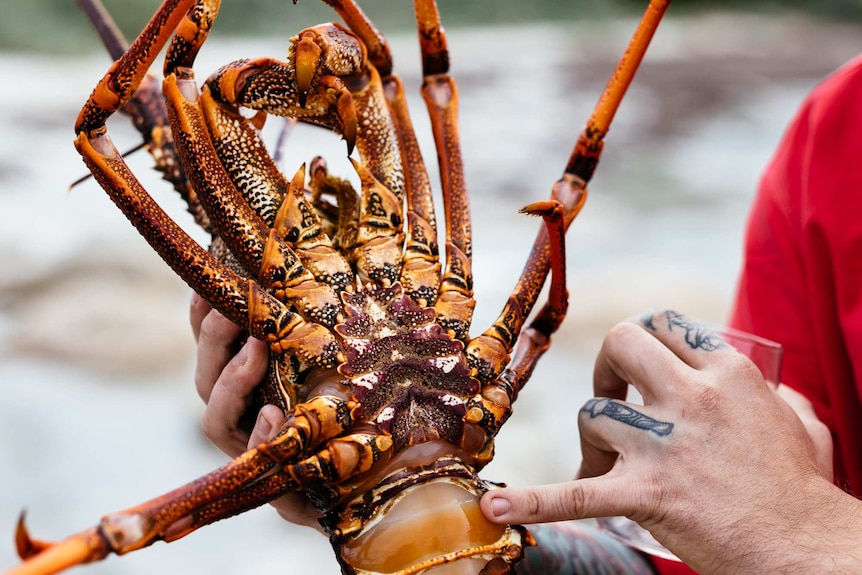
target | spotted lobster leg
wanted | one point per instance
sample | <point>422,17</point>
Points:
<point>455,305</point>
<point>454,301</point>
<point>146,108</point>
<point>261,188</point>
<point>489,353</point>
<point>259,475</point>
<point>255,183</point>
<point>261,251</point>
<point>420,275</point>
<point>493,405</point>
<point>241,300</point>
<point>199,125</point>
<point>319,57</point>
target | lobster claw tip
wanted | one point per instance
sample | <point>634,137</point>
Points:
<point>307,61</point>
<point>350,129</point>
<point>46,558</point>
<point>25,545</point>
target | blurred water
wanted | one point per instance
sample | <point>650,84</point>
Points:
<point>98,408</point>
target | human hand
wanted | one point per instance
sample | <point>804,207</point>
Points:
<point>820,434</point>
<point>714,464</point>
<point>225,379</point>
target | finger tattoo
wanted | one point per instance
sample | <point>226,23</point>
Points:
<point>625,414</point>
<point>697,336</point>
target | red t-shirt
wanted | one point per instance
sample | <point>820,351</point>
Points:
<point>801,283</point>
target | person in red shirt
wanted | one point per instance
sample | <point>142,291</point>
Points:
<point>801,284</point>
<point>743,489</point>
<point>729,474</point>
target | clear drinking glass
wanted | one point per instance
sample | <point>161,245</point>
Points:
<point>766,355</point>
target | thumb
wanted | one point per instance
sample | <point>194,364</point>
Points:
<point>267,426</point>
<point>592,497</point>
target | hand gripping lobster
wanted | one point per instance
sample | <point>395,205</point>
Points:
<point>392,408</point>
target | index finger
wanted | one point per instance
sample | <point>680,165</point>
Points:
<point>604,496</point>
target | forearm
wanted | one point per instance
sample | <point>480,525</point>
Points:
<point>818,531</point>
<point>832,539</point>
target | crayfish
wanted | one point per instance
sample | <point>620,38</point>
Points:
<point>392,407</point>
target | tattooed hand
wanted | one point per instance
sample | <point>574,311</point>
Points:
<point>714,463</point>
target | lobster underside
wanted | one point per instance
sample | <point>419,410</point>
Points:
<point>391,406</point>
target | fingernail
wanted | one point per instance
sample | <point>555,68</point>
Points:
<point>645,319</point>
<point>263,425</point>
<point>500,506</point>
<point>242,355</point>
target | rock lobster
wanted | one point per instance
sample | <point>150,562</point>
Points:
<point>392,408</point>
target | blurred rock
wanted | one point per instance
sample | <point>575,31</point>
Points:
<point>112,317</point>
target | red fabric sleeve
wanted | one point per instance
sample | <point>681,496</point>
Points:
<point>772,295</point>
<point>801,283</point>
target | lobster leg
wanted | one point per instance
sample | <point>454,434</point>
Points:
<point>455,304</point>
<point>490,409</point>
<point>272,86</point>
<point>233,219</point>
<point>379,239</point>
<point>340,221</point>
<point>146,107</point>
<point>421,270</point>
<point>419,199</point>
<point>379,52</point>
<point>125,75</point>
<point>264,189</point>
<point>235,297</point>
<point>297,221</point>
<point>549,318</point>
<point>441,98</point>
<point>260,251</point>
<point>489,352</point>
<point>319,58</point>
<point>420,274</point>
<point>237,223</point>
<point>335,464</point>
<point>240,485</point>
<point>242,189</point>
<point>318,53</point>
<point>241,300</point>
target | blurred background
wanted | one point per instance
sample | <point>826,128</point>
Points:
<point>98,409</point>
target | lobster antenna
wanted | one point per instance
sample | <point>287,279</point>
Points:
<point>582,163</point>
<point>114,41</point>
<point>105,26</point>
<point>281,142</point>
